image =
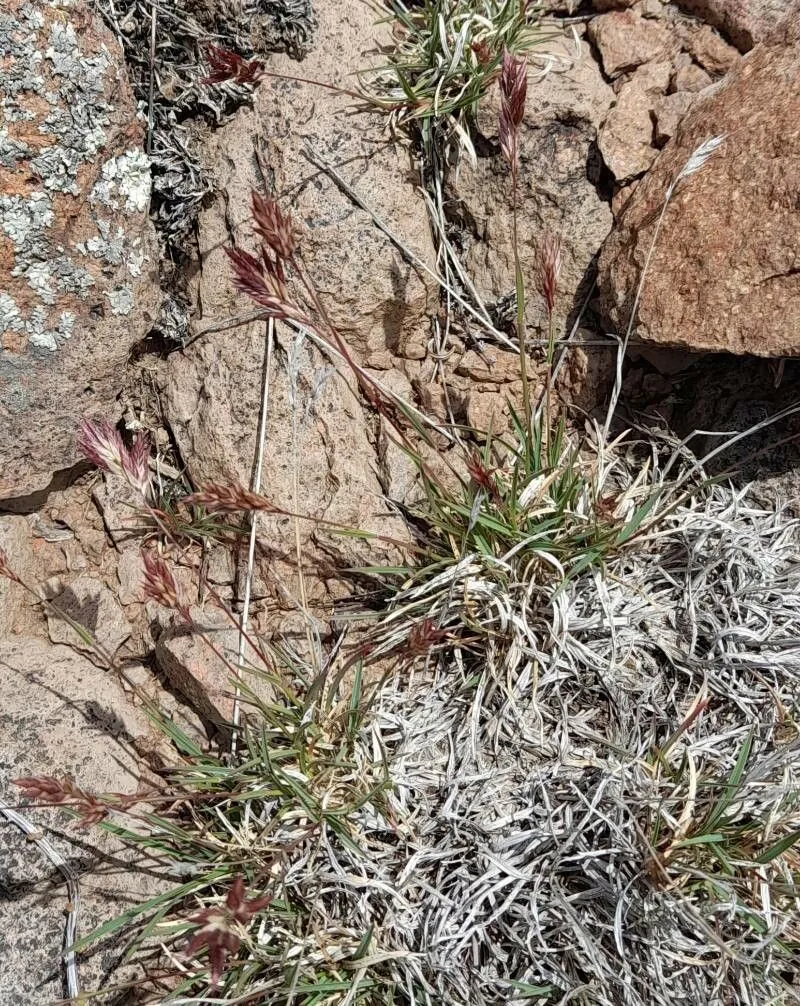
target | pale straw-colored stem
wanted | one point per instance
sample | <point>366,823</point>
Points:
<point>255,485</point>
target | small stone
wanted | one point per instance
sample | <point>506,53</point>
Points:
<point>494,366</point>
<point>744,22</point>
<point>89,603</point>
<point>723,275</point>
<point>485,412</point>
<point>130,573</point>
<point>221,568</point>
<point>625,40</point>
<point>626,137</point>
<point>561,6</point>
<point>710,51</point>
<point>193,668</point>
<point>669,112</point>
<point>412,344</point>
<point>690,78</point>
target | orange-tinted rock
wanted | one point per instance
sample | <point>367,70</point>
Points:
<point>709,50</point>
<point>725,272</point>
<point>626,137</point>
<point>626,40</point>
<point>744,22</point>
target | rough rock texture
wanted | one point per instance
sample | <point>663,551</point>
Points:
<point>709,50</point>
<point>668,112</point>
<point>191,666</point>
<point>690,78</point>
<point>59,714</point>
<point>76,245</point>
<point>380,302</point>
<point>725,274</point>
<point>91,604</point>
<point>627,134</point>
<point>626,40</point>
<point>321,458</point>
<point>15,601</point>
<point>745,22</point>
<point>558,193</point>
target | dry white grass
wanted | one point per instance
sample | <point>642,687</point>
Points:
<point>531,790</point>
<point>575,810</point>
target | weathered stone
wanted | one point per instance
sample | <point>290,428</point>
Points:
<point>321,457</point>
<point>61,715</point>
<point>560,6</point>
<point>76,245</point>
<point>690,78</point>
<point>16,602</point>
<point>745,22</point>
<point>709,50</point>
<point>621,196</point>
<point>185,655</point>
<point>493,366</point>
<point>91,604</point>
<point>588,373</point>
<point>669,112</point>
<point>320,460</point>
<point>377,298</point>
<point>130,573</point>
<point>557,191</point>
<point>486,411</point>
<point>199,661</point>
<point>607,5</point>
<point>626,40</point>
<point>627,134</point>
<point>725,271</point>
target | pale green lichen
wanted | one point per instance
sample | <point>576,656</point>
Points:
<point>25,220</point>
<point>71,278</point>
<point>39,276</point>
<point>79,89</point>
<point>106,246</point>
<point>121,300</point>
<point>42,337</point>
<point>124,183</point>
<point>32,16</point>
<point>10,316</point>
<point>11,150</point>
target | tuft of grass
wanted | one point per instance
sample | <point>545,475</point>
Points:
<point>285,820</point>
<point>445,55</point>
<point>589,826</point>
<point>504,543</point>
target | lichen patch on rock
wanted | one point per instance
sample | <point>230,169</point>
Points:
<point>76,244</point>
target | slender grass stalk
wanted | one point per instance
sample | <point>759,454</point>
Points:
<point>253,516</point>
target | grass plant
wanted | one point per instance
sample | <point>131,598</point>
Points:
<point>559,765</point>
<point>445,55</point>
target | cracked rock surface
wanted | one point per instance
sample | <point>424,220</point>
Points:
<point>77,250</point>
<point>725,272</point>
